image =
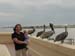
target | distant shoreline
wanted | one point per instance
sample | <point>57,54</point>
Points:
<point>38,27</point>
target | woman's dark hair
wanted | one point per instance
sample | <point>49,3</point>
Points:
<point>14,29</point>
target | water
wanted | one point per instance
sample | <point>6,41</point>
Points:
<point>6,30</point>
<point>70,37</point>
<point>71,32</point>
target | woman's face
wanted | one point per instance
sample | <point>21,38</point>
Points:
<point>18,28</point>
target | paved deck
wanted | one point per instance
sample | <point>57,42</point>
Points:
<point>36,48</point>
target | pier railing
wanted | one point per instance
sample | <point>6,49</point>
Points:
<point>70,41</point>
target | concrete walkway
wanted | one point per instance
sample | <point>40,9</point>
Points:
<point>4,50</point>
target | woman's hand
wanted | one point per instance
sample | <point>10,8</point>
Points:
<point>18,41</point>
<point>26,42</point>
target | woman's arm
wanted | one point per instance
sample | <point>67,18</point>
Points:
<point>18,41</point>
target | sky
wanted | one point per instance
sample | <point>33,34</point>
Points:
<point>36,12</point>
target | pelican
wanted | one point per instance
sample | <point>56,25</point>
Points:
<point>61,37</point>
<point>31,31</point>
<point>39,33</point>
<point>49,33</point>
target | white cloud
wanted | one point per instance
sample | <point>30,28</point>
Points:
<point>68,3</point>
<point>5,1</point>
<point>18,3</point>
<point>41,2</point>
<point>55,2</point>
<point>36,9</point>
<point>7,14</point>
<point>38,3</point>
<point>3,14</point>
<point>11,1</point>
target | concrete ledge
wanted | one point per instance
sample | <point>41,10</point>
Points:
<point>5,38</point>
<point>64,50</point>
<point>58,48</point>
<point>4,51</point>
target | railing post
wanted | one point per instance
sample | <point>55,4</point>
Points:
<point>72,41</point>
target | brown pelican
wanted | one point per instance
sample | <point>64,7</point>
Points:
<point>49,33</point>
<point>61,37</point>
<point>39,33</point>
<point>31,31</point>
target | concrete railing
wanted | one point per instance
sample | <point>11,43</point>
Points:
<point>5,38</point>
<point>4,51</point>
<point>66,50</point>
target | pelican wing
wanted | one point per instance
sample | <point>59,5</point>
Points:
<point>61,36</point>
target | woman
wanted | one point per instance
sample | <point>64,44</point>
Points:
<point>19,41</point>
